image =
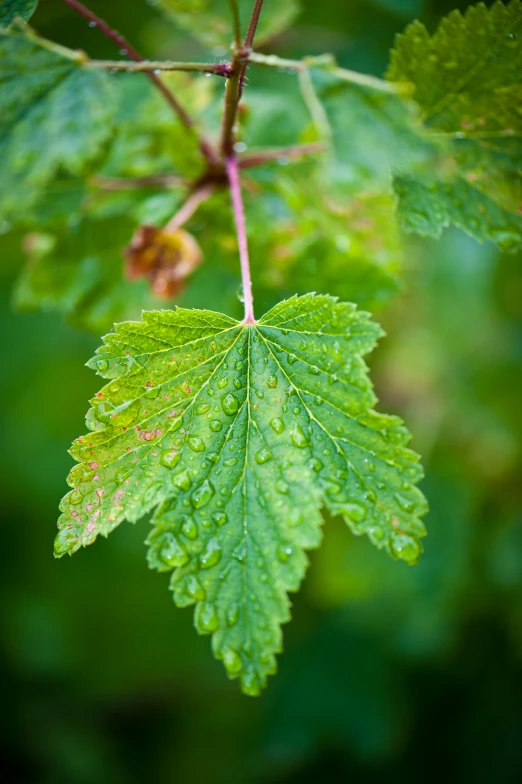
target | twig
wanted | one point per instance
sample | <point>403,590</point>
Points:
<point>188,209</point>
<point>363,80</point>
<point>314,105</point>
<point>206,148</point>
<point>252,27</point>
<point>237,26</point>
<point>134,183</point>
<point>239,217</point>
<point>235,82</point>
<point>254,159</point>
<point>144,66</point>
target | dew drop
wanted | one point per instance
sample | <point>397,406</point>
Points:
<point>298,437</point>
<point>176,423</point>
<point>315,464</point>
<point>222,382</point>
<point>277,425</point>
<point>407,548</point>
<point>195,589</point>
<point>332,488</point>
<point>353,510</point>
<point>182,480</point>
<point>272,381</point>
<point>281,487</point>
<point>75,497</point>
<point>216,425</point>
<point>202,494</point>
<point>211,555</point>
<point>65,541</point>
<point>172,553</point>
<point>196,444</point>
<point>230,404</point>
<point>202,408</point>
<point>205,618</point>
<point>219,518</point>
<point>284,551</point>
<point>263,456</point>
<point>250,683</point>
<point>170,458</point>
<point>232,661</point>
<point>232,614</point>
<point>189,528</point>
<point>405,504</point>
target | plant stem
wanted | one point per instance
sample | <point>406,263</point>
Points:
<point>134,183</point>
<point>188,209</point>
<point>239,217</point>
<point>326,60</point>
<point>144,66</point>
<point>255,159</point>
<point>232,97</point>
<point>237,26</point>
<point>206,148</point>
<point>252,27</point>
<point>235,82</point>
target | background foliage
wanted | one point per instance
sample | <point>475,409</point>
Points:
<point>388,671</point>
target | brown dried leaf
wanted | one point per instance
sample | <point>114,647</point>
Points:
<point>165,258</point>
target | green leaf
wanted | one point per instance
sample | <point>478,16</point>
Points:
<point>466,79</point>
<point>237,436</point>
<point>10,9</point>
<point>371,128</point>
<point>211,20</point>
<point>346,244</point>
<point>54,117</point>
<point>77,270</point>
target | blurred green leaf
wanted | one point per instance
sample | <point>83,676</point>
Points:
<point>211,21</point>
<point>372,129</point>
<point>324,238</point>
<point>54,116</point>
<point>78,271</point>
<point>466,79</point>
<point>10,9</point>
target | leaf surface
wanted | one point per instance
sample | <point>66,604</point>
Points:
<point>211,20</point>
<point>467,81</point>
<point>54,116</point>
<point>371,130</point>
<point>236,436</point>
<point>10,9</point>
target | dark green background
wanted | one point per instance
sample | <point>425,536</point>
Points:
<point>390,673</point>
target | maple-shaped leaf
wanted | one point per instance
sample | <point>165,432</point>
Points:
<point>54,116</point>
<point>10,9</point>
<point>211,21</point>
<point>467,82</point>
<point>237,435</point>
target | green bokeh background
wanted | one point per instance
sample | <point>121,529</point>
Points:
<point>389,672</point>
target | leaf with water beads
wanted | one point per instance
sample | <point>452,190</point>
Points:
<point>466,79</point>
<point>236,436</point>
